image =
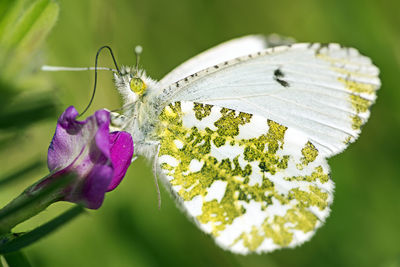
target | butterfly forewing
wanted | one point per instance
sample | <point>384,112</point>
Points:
<point>323,91</point>
<point>254,184</point>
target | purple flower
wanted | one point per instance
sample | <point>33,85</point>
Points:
<point>99,158</point>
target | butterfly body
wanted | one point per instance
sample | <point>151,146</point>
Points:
<point>241,133</point>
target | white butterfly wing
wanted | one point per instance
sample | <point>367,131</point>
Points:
<point>322,91</point>
<point>225,51</point>
<point>251,183</point>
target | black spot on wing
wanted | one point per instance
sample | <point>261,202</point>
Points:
<point>278,73</point>
<point>278,76</point>
<point>283,83</point>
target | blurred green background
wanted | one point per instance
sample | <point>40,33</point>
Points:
<point>129,230</point>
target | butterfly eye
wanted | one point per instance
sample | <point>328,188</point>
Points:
<point>138,86</point>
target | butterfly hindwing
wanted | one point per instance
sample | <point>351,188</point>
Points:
<point>255,185</point>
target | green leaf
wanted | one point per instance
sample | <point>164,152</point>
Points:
<point>13,36</point>
<point>20,173</point>
<point>41,27</point>
<point>26,111</point>
<point>19,111</point>
<point>21,38</point>
<point>10,11</point>
<point>7,92</point>
<point>17,259</point>
<point>40,232</point>
<point>9,139</point>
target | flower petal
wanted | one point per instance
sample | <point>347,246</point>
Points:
<point>96,186</point>
<point>102,135</point>
<point>61,151</point>
<point>121,150</point>
<point>70,139</point>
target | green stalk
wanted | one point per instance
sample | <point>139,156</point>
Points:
<point>21,214</point>
<point>32,201</point>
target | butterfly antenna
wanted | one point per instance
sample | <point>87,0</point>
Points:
<point>95,74</point>
<point>138,51</point>
<point>62,68</point>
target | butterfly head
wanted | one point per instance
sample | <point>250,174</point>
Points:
<point>131,81</point>
<point>137,85</point>
<point>133,84</point>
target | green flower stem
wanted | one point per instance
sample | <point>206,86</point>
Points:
<point>31,202</point>
<point>11,219</point>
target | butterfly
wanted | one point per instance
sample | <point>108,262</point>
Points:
<point>241,133</point>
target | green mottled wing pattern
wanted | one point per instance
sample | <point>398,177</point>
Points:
<point>253,184</point>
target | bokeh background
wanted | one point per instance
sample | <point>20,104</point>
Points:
<point>129,230</point>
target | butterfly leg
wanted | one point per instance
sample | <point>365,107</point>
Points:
<point>157,149</point>
<point>150,149</point>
